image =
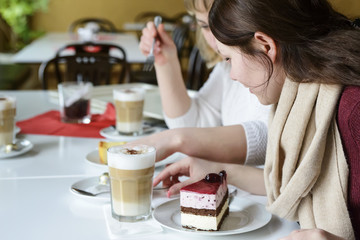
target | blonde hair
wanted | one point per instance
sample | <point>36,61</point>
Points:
<point>207,53</point>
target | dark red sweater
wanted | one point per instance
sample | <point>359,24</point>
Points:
<point>348,120</point>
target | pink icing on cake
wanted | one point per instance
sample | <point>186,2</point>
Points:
<point>205,194</point>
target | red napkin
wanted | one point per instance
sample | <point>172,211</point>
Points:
<point>49,124</point>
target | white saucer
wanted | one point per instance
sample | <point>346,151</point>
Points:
<point>88,183</point>
<point>23,145</point>
<point>112,134</point>
<point>94,159</point>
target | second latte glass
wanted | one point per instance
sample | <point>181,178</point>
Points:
<point>129,106</point>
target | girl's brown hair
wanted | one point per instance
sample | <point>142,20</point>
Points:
<point>314,42</point>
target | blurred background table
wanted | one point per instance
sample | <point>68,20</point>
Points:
<point>45,47</point>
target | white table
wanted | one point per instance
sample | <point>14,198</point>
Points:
<point>36,201</point>
<point>45,47</point>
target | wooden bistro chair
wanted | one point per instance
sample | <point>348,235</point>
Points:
<point>91,62</point>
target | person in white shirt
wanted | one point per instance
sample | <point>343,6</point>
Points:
<point>220,102</point>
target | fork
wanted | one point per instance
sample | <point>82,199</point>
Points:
<point>149,63</point>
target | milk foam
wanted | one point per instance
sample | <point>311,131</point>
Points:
<point>130,94</point>
<point>118,157</point>
<point>7,102</point>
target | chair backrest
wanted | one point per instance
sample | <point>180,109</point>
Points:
<point>91,62</point>
<point>197,72</point>
<point>104,25</point>
<point>182,40</point>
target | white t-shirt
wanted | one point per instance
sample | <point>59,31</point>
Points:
<point>223,102</point>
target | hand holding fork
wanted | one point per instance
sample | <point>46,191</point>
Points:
<point>149,63</point>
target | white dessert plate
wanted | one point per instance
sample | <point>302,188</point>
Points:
<point>22,146</point>
<point>245,216</point>
<point>94,158</point>
<point>112,134</point>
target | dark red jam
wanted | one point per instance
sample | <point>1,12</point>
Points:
<point>208,185</point>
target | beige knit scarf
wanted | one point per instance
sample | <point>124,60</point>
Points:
<point>306,172</point>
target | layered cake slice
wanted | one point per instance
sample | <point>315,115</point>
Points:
<point>204,204</point>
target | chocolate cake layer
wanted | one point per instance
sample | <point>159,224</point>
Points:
<point>206,212</point>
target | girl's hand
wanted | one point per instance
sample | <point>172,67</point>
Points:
<point>164,50</point>
<point>194,168</point>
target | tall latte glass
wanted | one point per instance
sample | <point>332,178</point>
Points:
<point>131,169</point>
<point>7,120</point>
<point>129,105</point>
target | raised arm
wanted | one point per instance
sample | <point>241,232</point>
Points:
<point>175,100</point>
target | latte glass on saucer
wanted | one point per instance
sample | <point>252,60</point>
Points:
<point>129,106</point>
<point>7,121</point>
<point>131,169</point>
<point>74,101</point>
